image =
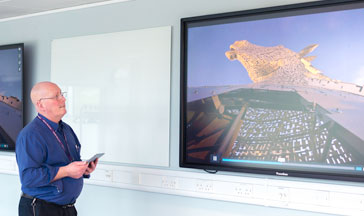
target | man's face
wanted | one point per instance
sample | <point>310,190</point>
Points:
<point>53,103</point>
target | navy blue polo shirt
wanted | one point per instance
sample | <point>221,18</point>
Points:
<point>39,156</point>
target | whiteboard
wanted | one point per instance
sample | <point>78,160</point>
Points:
<point>118,93</point>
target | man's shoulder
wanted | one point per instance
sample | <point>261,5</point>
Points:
<point>32,127</point>
<point>31,133</point>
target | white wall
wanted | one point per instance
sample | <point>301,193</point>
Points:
<point>38,32</point>
<point>98,200</point>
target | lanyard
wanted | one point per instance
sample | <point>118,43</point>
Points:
<point>68,153</point>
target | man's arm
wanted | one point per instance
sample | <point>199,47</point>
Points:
<point>74,170</point>
<point>30,154</point>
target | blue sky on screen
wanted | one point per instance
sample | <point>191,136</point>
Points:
<point>339,34</point>
<point>10,77</point>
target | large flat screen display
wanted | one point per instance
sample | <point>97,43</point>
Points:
<point>11,94</point>
<point>275,91</point>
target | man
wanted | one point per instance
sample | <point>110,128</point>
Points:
<point>48,156</point>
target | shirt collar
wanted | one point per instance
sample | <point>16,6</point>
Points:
<point>54,125</point>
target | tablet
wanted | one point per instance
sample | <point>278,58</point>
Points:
<point>95,157</point>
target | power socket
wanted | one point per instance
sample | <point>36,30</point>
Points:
<point>169,182</point>
<point>281,194</point>
<point>322,198</point>
<point>204,186</point>
<point>244,190</point>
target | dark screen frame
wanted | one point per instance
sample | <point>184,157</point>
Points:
<point>7,47</point>
<point>261,13</point>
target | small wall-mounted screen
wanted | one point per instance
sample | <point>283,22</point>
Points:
<point>276,91</point>
<point>11,94</point>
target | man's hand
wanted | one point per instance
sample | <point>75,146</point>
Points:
<point>91,167</point>
<point>74,170</point>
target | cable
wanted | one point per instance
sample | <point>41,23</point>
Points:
<point>210,171</point>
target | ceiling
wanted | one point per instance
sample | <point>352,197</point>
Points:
<point>13,9</point>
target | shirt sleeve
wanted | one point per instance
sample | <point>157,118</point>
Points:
<point>30,155</point>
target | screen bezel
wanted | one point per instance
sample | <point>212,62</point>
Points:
<point>278,11</point>
<point>12,46</point>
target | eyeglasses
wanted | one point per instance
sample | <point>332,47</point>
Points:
<point>57,97</point>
